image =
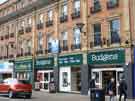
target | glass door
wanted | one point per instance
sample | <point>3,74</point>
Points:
<point>45,78</point>
<point>65,79</point>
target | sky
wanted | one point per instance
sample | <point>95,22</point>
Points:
<point>1,1</point>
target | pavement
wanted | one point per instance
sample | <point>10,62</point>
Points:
<point>43,96</point>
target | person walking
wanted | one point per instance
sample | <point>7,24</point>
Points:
<point>123,89</point>
<point>111,89</point>
<point>92,85</point>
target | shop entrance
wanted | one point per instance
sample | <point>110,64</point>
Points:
<point>103,76</point>
<point>45,77</point>
<point>65,79</point>
<point>106,77</point>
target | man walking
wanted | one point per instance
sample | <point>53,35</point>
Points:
<point>92,85</point>
<point>111,89</point>
<point>123,88</point>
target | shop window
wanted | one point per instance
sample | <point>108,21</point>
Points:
<point>96,75</point>
<point>65,79</point>
<point>46,77</point>
<point>51,76</point>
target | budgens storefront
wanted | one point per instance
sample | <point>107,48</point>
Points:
<point>105,65</point>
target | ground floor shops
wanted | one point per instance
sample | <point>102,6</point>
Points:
<point>72,72</point>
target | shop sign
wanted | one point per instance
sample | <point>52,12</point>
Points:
<point>23,65</point>
<point>70,60</point>
<point>44,62</point>
<point>107,57</point>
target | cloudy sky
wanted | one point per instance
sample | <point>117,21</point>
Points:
<point>1,1</point>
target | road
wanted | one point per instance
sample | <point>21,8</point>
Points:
<point>43,96</point>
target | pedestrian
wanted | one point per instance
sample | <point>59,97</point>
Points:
<point>123,88</point>
<point>111,89</point>
<point>92,85</point>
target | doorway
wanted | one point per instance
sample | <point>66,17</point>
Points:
<point>65,79</point>
<point>106,77</point>
<point>45,78</point>
<point>103,76</point>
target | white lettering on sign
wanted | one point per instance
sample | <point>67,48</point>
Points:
<point>104,57</point>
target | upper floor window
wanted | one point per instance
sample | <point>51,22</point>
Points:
<point>97,34</point>
<point>50,15</point>
<point>40,41</point>
<point>29,21</point>
<point>49,42</point>
<point>113,1</point>
<point>64,9</point>
<point>77,5</point>
<point>22,24</point>
<point>41,18</point>
<point>115,30</point>
<point>77,36</point>
<point>29,46</point>
<point>64,37</point>
<point>7,29</point>
<point>112,4</point>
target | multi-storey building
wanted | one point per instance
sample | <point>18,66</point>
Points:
<point>69,41</point>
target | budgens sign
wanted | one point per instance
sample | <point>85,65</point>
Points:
<point>107,57</point>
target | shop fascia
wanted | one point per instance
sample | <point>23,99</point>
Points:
<point>104,57</point>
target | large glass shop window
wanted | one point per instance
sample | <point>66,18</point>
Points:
<point>23,76</point>
<point>65,79</point>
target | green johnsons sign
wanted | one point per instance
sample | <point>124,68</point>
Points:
<point>107,57</point>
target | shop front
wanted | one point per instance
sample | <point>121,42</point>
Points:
<point>70,73</point>
<point>105,65</point>
<point>23,70</point>
<point>44,72</point>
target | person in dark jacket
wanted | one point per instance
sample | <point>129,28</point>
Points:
<point>92,85</point>
<point>123,89</point>
<point>111,90</point>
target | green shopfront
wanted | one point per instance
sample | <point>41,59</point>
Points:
<point>23,70</point>
<point>70,72</point>
<point>44,69</point>
<point>107,64</point>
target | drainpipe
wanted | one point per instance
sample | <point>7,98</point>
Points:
<point>132,45</point>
